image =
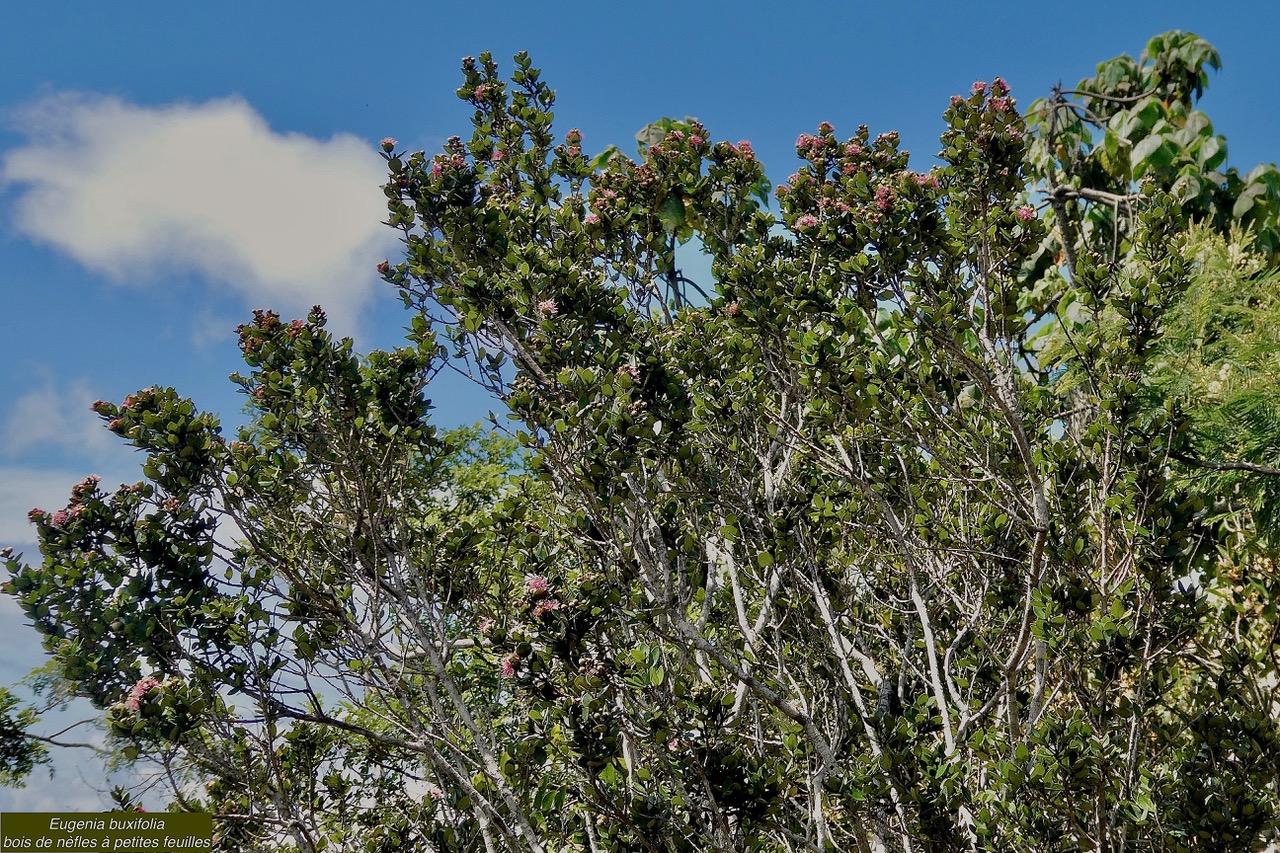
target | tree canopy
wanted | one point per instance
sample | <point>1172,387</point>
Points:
<point>939,518</point>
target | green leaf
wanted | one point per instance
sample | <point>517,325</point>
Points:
<point>1154,152</point>
<point>672,212</point>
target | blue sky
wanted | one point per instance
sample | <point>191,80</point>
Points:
<point>167,167</point>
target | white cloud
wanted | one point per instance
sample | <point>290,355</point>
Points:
<point>21,489</point>
<point>53,417</point>
<point>136,192</point>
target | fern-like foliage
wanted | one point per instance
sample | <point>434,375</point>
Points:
<point>1220,363</point>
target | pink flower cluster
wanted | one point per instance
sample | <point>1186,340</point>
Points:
<point>141,689</point>
<point>808,145</point>
<point>85,487</point>
<point>536,586</point>
<point>630,370</point>
<point>806,222</point>
<point>509,661</point>
<point>591,219</point>
<point>548,308</point>
<point>384,267</point>
<point>388,145</point>
<point>545,606</point>
<point>1026,213</point>
<point>745,149</point>
<point>884,197</point>
<point>733,309</point>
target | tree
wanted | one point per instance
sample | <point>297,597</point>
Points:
<point>809,556</point>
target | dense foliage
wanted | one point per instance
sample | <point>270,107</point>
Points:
<point>922,525</point>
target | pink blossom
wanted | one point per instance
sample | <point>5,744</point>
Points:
<point>141,689</point>
<point>956,100</point>
<point>999,87</point>
<point>1026,213</point>
<point>999,104</point>
<point>548,308</point>
<point>804,223</point>
<point>485,626</point>
<point>852,150</point>
<point>509,662</point>
<point>591,219</point>
<point>825,127</point>
<point>384,266</point>
<point>497,155</point>
<point>436,170</point>
<point>575,151</point>
<point>481,91</point>
<point>36,515</point>
<point>547,605</point>
<point>115,424</point>
<point>884,197</point>
<point>733,309</point>
<point>130,401</point>
<point>100,407</point>
<point>59,518</point>
<point>573,137</point>
<point>676,134</point>
<point>434,793</point>
<point>696,141</point>
<point>388,144</point>
<point>536,585</point>
<point>745,149</point>
<point>979,87</point>
<point>804,140</point>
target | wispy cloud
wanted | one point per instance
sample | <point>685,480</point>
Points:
<point>137,192</point>
<point>53,417</point>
